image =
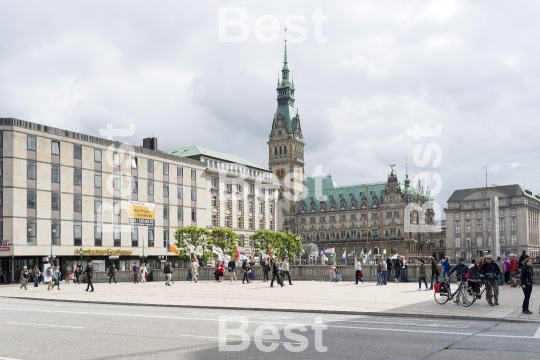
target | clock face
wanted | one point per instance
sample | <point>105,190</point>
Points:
<point>280,173</point>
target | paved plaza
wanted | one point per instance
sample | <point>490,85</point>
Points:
<point>401,299</point>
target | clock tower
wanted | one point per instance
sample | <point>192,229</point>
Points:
<point>286,150</point>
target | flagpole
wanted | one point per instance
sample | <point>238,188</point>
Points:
<point>486,175</point>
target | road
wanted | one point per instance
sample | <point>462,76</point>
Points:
<point>36,329</point>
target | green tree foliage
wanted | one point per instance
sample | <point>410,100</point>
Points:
<point>196,236</point>
<point>264,240</point>
<point>290,245</point>
<point>224,238</point>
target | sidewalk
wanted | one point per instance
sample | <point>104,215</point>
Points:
<point>305,296</point>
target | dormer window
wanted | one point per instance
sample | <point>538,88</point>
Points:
<point>279,133</point>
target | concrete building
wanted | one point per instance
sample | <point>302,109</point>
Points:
<point>469,221</point>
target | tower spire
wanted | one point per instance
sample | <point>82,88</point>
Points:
<point>407,181</point>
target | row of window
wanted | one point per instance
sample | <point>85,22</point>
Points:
<point>479,241</point>
<point>470,204</point>
<point>332,218</point>
<point>513,212</point>
<point>502,227</point>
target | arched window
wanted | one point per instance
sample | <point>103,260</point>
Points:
<point>280,150</point>
<point>441,243</point>
<point>275,150</point>
<point>285,149</point>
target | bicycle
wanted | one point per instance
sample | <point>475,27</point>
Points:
<point>446,294</point>
<point>471,291</point>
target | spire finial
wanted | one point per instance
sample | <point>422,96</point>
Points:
<point>285,41</point>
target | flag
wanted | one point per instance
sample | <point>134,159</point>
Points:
<point>394,257</point>
<point>237,254</point>
<point>172,248</point>
<point>384,251</point>
<point>330,251</point>
<point>263,255</point>
<point>344,253</point>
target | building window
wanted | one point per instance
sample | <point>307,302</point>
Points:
<point>213,200</point>
<point>77,176</point>
<point>1,201</point>
<point>97,155</point>
<point>214,220</point>
<point>97,235</point>
<point>134,163</point>
<point>456,217</point>
<point>396,214</point>
<point>468,216</point>
<point>150,237</point>
<point>193,214</point>
<point>77,234</point>
<point>193,194</point>
<point>97,180</point>
<point>179,192</point>
<point>502,240</point>
<point>77,203</point>
<point>193,174</point>
<point>501,201</point>
<point>31,170</point>
<point>215,183</point>
<point>32,231</point>
<point>31,199</point>
<point>479,227</point>
<point>55,173</point>
<point>180,171</point>
<point>55,201</point>
<point>501,213</point>
<point>513,212</point>
<point>31,143</point>
<point>77,152</point>
<point>150,188</point>
<point>165,190</point>
<point>478,215</point>
<point>134,236</point>
<point>1,138</point>
<point>116,207</point>
<point>468,228</point>
<point>166,236</point>
<point>501,226</point>
<point>165,169</point>
<point>117,236</point>
<point>116,183</point>
<point>150,165</point>
<point>514,239</point>
<point>1,167</point>
<point>55,234</point>
<point>180,213</point>
<point>134,185</point>
<point>55,148</point>
<point>251,189</point>
<point>165,212</point>
<point>239,223</point>
<point>457,229</point>
<point>513,225</point>
<point>97,206</point>
<point>479,241</point>
<point>458,242</point>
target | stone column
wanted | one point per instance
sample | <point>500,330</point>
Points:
<point>495,244</point>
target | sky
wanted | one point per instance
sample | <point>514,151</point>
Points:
<point>363,76</point>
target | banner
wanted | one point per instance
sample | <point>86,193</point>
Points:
<point>141,213</point>
<point>330,251</point>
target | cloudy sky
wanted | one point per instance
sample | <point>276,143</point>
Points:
<point>385,67</point>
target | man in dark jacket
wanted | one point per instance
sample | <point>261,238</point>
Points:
<point>460,269</point>
<point>397,268</point>
<point>522,257</point>
<point>231,266</point>
<point>89,271</point>
<point>136,270</point>
<point>388,269</point>
<point>112,273</point>
<point>490,267</point>
<point>275,274</point>
<point>168,273</point>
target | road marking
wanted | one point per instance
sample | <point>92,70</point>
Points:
<point>537,334</point>
<point>1,358</point>
<point>400,323</point>
<point>60,326</point>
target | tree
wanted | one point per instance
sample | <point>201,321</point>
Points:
<point>264,240</point>
<point>194,235</point>
<point>290,245</point>
<point>224,238</point>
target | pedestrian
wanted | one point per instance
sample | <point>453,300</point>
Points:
<point>527,282</point>
<point>435,273</point>
<point>78,273</point>
<point>144,272</point>
<point>403,270</point>
<point>490,267</point>
<point>286,270</point>
<point>36,274</point>
<point>89,271</point>
<point>244,271</point>
<point>251,270</point>
<point>506,271</point>
<point>522,257</point>
<point>112,273</point>
<point>136,270</point>
<point>231,267</point>
<point>422,275</point>
<point>397,268</point>
<point>384,271</point>
<point>194,267</point>
<point>57,277</point>
<point>333,273</point>
<point>513,269</point>
<point>50,274</point>
<point>168,273</point>
<point>275,274</point>
<point>24,277</point>
<point>500,264</point>
<point>216,275</point>
<point>189,275</point>
<point>68,276</point>
<point>266,269</point>
<point>446,267</point>
<point>358,271</point>
<point>220,271</point>
<point>388,269</point>
<point>379,272</point>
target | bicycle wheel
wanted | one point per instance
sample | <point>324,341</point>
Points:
<point>489,295</point>
<point>441,298</point>
<point>468,295</point>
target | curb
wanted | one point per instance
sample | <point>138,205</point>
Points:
<point>301,311</point>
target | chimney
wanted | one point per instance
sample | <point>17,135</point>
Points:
<point>150,143</point>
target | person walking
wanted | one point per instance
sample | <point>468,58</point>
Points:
<point>194,267</point>
<point>358,271</point>
<point>50,274</point>
<point>112,273</point>
<point>57,277</point>
<point>506,271</point>
<point>403,270</point>
<point>285,267</point>
<point>500,264</point>
<point>68,275</point>
<point>220,271</point>
<point>231,267</point>
<point>384,272</point>
<point>422,275</point>
<point>144,272</point>
<point>435,273</point>
<point>388,269</point>
<point>527,282</point>
<point>397,268</point>
<point>36,274</point>
<point>89,271</point>
<point>244,271</point>
<point>275,274</point>
<point>522,257</point>
<point>379,271</point>
<point>168,273</point>
<point>266,269</point>
<point>78,273</point>
<point>136,270</point>
<point>513,269</point>
<point>446,267</point>
<point>24,277</point>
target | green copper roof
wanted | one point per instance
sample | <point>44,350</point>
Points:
<point>329,188</point>
<point>285,99</point>
<point>510,190</point>
<point>199,150</point>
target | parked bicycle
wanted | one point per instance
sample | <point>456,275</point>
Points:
<point>473,290</point>
<point>443,292</point>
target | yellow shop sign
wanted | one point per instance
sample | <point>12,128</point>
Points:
<point>102,252</point>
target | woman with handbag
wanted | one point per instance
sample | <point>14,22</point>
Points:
<point>220,271</point>
<point>435,273</point>
<point>527,282</point>
<point>89,271</point>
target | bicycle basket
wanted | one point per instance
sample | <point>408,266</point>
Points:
<point>467,276</point>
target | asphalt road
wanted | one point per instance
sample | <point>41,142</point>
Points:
<point>58,330</point>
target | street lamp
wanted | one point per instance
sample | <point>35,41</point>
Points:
<point>113,258</point>
<point>142,257</point>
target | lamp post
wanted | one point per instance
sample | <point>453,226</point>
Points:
<point>142,257</point>
<point>52,239</point>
